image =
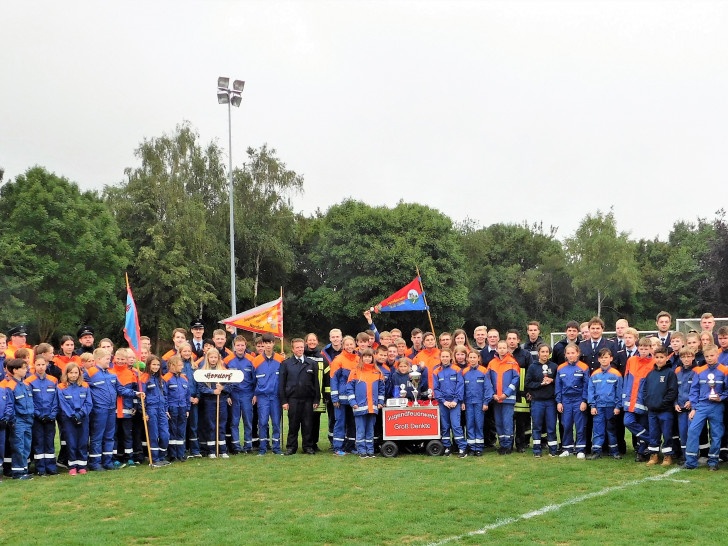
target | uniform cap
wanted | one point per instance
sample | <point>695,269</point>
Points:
<point>84,331</point>
<point>18,330</point>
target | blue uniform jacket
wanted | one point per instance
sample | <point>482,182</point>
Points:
<point>266,376</point>
<point>449,384</point>
<point>45,395</point>
<point>605,388</point>
<point>75,398</point>
<point>572,382</point>
<point>177,391</point>
<point>477,388</point>
<point>7,403</point>
<point>154,389</point>
<point>357,394</point>
<point>189,372</point>
<point>245,365</point>
<point>23,399</point>
<point>700,389</point>
<point>105,387</point>
<point>684,382</point>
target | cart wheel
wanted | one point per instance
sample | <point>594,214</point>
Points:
<point>434,448</point>
<point>389,449</point>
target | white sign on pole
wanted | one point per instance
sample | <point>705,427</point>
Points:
<point>219,376</point>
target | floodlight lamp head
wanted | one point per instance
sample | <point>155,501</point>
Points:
<point>223,82</point>
<point>238,85</point>
<point>235,100</point>
<point>223,98</point>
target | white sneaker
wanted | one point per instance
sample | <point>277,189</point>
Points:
<point>212,456</point>
<point>580,455</point>
<point>224,456</point>
<point>564,454</point>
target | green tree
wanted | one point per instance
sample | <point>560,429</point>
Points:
<point>356,255</point>
<point>516,273</point>
<point>602,261</point>
<point>63,256</point>
<point>172,208</point>
<point>264,224</point>
<point>714,287</point>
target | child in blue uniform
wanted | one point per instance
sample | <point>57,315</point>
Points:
<point>75,405</point>
<point>660,393</point>
<point>448,386</point>
<point>209,415</point>
<point>188,370</point>
<point>684,374</point>
<point>572,388</point>
<point>23,432</point>
<point>541,385</point>
<point>365,392</point>
<point>477,394</point>
<point>604,398</point>
<point>156,409</point>
<point>45,400</point>
<point>7,411</point>
<point>504,376</point>
<point>177,394</point>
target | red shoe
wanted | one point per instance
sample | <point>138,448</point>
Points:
<point>82,471</point>
<point>72,472</point>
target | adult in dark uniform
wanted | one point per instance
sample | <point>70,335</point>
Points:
<point>299,392</point>
<point>198,331</point>
<point>85,337</point>
<point>312,351</point>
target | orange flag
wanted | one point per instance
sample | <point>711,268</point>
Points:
<point>266,318</point>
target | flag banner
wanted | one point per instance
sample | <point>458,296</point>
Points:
<point>409,298</point>
<point>264,319</point>
<point>131,325</point>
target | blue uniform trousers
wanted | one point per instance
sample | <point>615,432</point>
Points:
<point>246,405</point>
<point>235,412</point>
<point>683,423</point>
<point>504,424</point>
<point>208,420</point>
<point>365,433</point>
<point>193,442</point>
<point>573,418</point>
<point>450,420</point>
<point>124,444</point>
<point>44,437</point>
<point>269,407</point>
<point>177,426</point>
<point>102,429</point>
<point>637,424</point>
<point>76,442</point>
<point>660,425</point>
<point>605,424</point>
<point>543,415</point>
<point>158,427</point>
<point>712,412</point>
<point>21,441</point>
<point>474,417</point>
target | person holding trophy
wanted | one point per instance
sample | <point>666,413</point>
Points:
<point>706,398</point>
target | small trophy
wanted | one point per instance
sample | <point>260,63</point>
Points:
<point>415,377</point>
<point>545,369</point>
<point>711,383</point>
<point>403,391</point>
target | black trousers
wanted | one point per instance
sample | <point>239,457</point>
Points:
<point>489,433</point>
<point>300,417</point>
<point>316,428</point>
<point>332,419</point>
<point>523,429</point>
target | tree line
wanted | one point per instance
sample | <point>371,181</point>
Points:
<point>63,254</point>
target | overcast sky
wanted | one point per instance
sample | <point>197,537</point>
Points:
<point>497,111</point>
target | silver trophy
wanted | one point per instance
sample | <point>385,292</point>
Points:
<point>711,383</point>
<point>415,377</point>
<point>403,391</point>
<point>545,369</point>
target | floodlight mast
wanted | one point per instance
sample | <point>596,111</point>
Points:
<point>228,96</point>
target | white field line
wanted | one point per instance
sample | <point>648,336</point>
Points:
<point>555,507</point>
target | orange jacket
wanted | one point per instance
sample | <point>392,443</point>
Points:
<point>504,375</point>
<point>62,361</point>
<point>430,359</point>
<point>130,379</point>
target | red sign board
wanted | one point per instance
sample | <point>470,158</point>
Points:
<point>412,423</point>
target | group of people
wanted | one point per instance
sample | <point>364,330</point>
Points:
<point>114,408</point>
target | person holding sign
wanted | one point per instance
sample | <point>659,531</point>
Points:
<point>299,393</point>
<point>213,417</point>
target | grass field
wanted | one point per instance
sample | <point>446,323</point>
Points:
<point>411,499</point>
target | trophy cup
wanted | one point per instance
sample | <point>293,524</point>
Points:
<point>415,377</point>
<point>403,392</point>
<point>545,369</point>
<point>711,383</point>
